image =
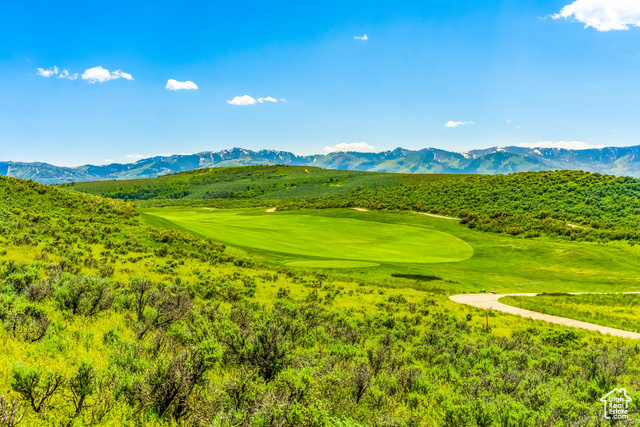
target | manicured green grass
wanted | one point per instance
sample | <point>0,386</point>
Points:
<point>506,263</point>
<point>327,237</point>
<point>331,263</point>
<point>620,311</point>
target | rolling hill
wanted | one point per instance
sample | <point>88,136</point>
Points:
<point>571,204</point>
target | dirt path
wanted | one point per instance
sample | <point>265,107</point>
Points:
<point>490,301</point>
<point>573,226</point>
<point>360,209</point>
<point>271,210</point>
<point>436,216</point>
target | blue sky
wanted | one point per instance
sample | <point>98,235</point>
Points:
<point>456,75</point>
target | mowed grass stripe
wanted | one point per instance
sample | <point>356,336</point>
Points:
<point>331,263</point>
<point>316,236</point>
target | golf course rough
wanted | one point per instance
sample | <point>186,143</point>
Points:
<point>323,237</point>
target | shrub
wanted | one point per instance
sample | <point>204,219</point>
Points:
<point>35,387</point>
<point>83,295</point>
<point>10,414</point>
<point>30,323</point>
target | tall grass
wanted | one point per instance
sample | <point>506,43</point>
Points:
<point>620,311</point>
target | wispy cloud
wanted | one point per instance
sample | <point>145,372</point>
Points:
<point>55,71</point>
<point>249,100</point>
<point>361,147</point>
<point>568,145</point>
<point>363,37</point>
<point>101,75</point>
<point>176,85</point>
<point>149,156</point>
<point>47,73</point>
<point>66,75</point>
<point>603,15</point>
<point>452,124</point>
<point>137,156</point>
<point>119,73</point>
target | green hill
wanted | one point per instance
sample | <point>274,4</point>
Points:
<point>569,204</point>
<point>242,182</point>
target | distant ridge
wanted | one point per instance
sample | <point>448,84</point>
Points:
<point>496,160</point>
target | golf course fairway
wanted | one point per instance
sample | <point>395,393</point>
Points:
<point>317,236</point>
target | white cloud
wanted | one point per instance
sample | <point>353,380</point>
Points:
<point>361,147</point>
<point>66,75</point>
<point>508,121</point>
<point>363,37</point>
<point>101,75</point>
<point>55,71</point>
<point>242,100</point>
<point>452,124</point>
<point>249,100</point>
<point>176,85</point>
<point>603,15</point>
<point>47,73</point>
<point>148,156</point>
<point>96,74</point>
<point>568,145</point>
<point>120,73</point>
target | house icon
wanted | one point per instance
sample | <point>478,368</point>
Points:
<point>616,404</point>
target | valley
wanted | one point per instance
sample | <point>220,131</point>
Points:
<point>403,243</point>
<point>188,298</point>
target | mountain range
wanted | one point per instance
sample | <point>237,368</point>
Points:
<point>496,160</point>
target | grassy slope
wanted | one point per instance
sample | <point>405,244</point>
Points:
<point>526,204</point>
<point>615,310</point>
<point>503,262</point>
<point>46,214</point>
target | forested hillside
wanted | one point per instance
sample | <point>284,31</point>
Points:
<point>107,322</point>
<point>243,182</point>
<point>568,204</point>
